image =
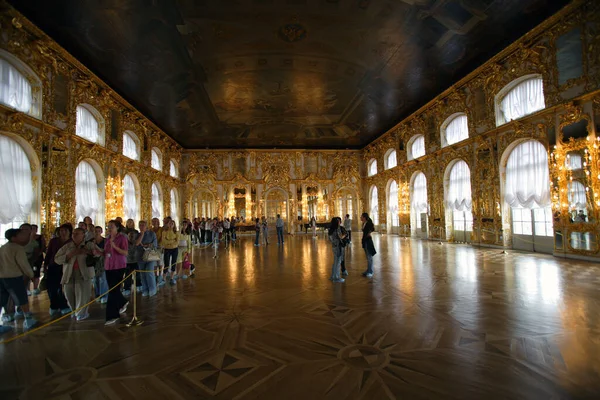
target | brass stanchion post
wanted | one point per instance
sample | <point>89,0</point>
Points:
<point>134,321</point>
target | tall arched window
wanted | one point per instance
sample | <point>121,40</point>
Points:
<point>392,206</point>
<point>89,124</point>
<point>156,161</point>
<point>157,204</point>
<point>87,198</point>
<point>131,207</point>
<point>374,203</point>
<point>20,87</point>
<point>173,169</point>
<point>17,185</point>
<point>416,147</point>
<point>519,98</point>
<point>527,193</point>
<point>390,159</point>
<point>372,168</point>
<point>131,146</point>
<point>418,201</point>
<point>458,200</point>
<point>175,206</point>
<point>15,89</point>
<point>455,129</point>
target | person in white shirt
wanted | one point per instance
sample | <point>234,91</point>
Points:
<point>14,267</point>
<point>279,227</point>
<point>348,226</point>
<point>77,275</point>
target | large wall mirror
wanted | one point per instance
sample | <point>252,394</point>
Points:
<point>312,200</point>
<point>239,199</point>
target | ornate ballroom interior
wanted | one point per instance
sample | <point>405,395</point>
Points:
<point>467,129</point>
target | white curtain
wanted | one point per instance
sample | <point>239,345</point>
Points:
<point>15,89</point>
<point>173,169</point>
<point>87,125</point>
<point>576,195</point>
<point>157,208</point>
<point>16,182</point>
<point>87,202</point>
<point>459,188</point>
<point>130,199</point>
<point>156,163</point>
<point>130,147</point>
<point>527,178</point>
<point>574,161</point>
<point>374,212</point>
<point>525,98</point>
<point>391,160</point>
<point>457,130</point>
<point>174,207</point>
<point>417,149</point>
<point>418,199</point>
<point>373,168</point>
<point>393,203</point>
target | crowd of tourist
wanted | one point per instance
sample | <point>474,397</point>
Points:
<point>78,260</point>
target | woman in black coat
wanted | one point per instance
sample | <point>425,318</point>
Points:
<point>367,243</point>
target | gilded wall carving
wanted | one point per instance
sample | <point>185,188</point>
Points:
<point>230,178</point>
<point>64,80</point>
<point>475,95</point>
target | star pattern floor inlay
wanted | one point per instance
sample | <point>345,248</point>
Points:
<point>435,322</point>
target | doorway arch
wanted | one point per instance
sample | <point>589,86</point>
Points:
<point>277,202</point>
<point>203,204</point>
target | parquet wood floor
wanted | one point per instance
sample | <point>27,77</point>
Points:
<point>435,322</point>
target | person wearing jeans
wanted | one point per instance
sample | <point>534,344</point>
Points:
<point>100,283</point>
<point>367,243</point>
<point>146,241</point>
<point>14,268</point>
<point>279,228</point>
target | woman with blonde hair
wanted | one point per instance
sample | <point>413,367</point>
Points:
<point>170,244</point>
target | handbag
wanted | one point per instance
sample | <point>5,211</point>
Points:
<point>186,261</point>
<point>151,255</point>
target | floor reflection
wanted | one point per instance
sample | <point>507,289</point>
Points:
<point>435,322</point>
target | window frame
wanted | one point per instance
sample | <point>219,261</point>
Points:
<point>446,123</point>
<point>410,145</point>
<point>35,83</point>
<point>499,115</point>
<point>99,120</point>
<point>136,141</point>
<point>156,150</point>
<point>173,167</point>
<point>387,156</point>
<point>372,162</point>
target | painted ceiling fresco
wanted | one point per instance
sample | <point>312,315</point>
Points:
<point>277,73</point>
